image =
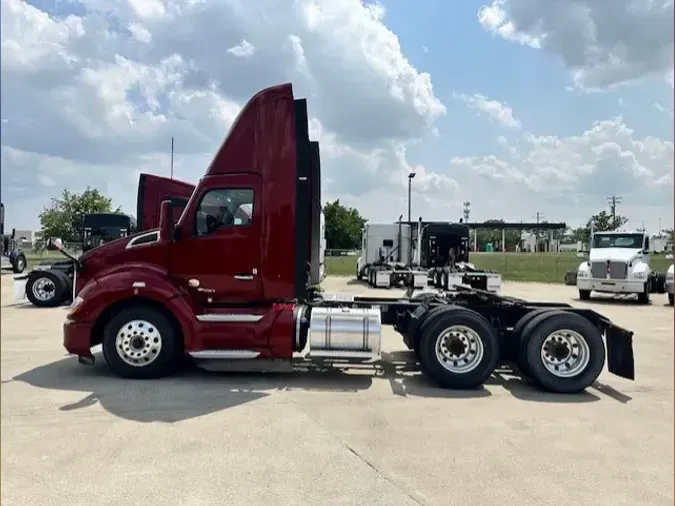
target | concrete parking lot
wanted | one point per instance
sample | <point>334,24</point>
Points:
<point>76,435</point>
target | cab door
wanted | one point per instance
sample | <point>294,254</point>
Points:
<point>216,256</point>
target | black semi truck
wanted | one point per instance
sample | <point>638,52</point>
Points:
<point>50,284</point>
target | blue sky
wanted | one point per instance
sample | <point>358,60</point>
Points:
<point>534,106</point>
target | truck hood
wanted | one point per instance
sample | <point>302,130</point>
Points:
<point>115,252</point>
<point>618,254</point>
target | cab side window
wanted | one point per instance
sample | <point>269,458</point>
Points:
<point>224,208</point>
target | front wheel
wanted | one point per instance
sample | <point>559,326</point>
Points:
<point>584,294</point>
<point>459,349</point>
<point>141,343</point>
<point>643,297</point>
<point>19,264</point>
<point>46,288</point>
<point>671,299</point>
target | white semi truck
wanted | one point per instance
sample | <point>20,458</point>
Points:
<point>618,263</point>
<point>420,254</point>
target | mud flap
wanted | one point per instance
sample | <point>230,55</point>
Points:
<point>620,359</point>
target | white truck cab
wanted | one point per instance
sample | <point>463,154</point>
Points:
<point>618,263</point>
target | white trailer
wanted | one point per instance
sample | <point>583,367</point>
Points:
<point>618,263</point>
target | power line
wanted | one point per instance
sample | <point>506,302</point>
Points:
<point>613,201</point>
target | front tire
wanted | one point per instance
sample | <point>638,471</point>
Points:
<point>141,343</point>
<point>19,264</point>
<point>46,288</point>
<point>643,297</point>
<point>584,294</point>
<point>459,349</point>
<point>671,299</point>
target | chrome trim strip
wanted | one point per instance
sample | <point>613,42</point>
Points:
<point>230,318</point>
<point>220,354</point>
<point>132,243</point>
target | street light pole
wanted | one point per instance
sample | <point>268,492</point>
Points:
<point>410,178</point>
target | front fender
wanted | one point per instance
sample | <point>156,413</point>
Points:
<point>102,293</point>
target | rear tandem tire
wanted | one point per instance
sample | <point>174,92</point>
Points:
<point>458,349</point>
<point>521,332</point>
<point>573,335</point>
<point>150,349</point>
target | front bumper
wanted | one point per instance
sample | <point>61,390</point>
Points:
<point>670,286</point>
<point>611,285</point>
<point>77,337</point>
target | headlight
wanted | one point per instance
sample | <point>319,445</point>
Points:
<point>639,275</point>
<point>583,274</point>
<point>77,302</point>
<point>669,275</point>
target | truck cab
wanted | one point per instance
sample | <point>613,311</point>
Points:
<point>617,263</point>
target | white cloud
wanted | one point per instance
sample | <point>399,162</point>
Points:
<point>242,50</point>
<point>101,93</point>
<point>497,111</point>
<point>604,43</point>
<point>578,171</point>
<point>661,108</point>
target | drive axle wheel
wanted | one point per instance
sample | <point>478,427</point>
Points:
<point>565,352</point>
<point>458,349</point>
<point>141,343</point>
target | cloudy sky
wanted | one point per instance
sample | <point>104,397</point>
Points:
<point>518,106</point>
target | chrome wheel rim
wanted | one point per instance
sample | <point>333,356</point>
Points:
<point>20,264</point>
<point>459,349</point>
<point>138,343</point>
<point>565,353</point>
<point>43,289</point>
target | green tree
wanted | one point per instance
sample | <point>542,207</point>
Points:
<point>343,226</point>
<point>602,222</point>
<point>63,217</point>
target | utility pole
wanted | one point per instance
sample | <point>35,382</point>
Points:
<point>538,217</point>
<point>467,211</point>
<point>613,201</point>
<point>171,157</point>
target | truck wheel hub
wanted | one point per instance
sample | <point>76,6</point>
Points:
<point>138,343</point>
<point>565,353</point>
<point>459,349</point>
<point>43,289</point>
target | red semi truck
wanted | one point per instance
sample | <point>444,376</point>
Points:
<point>237,291</point>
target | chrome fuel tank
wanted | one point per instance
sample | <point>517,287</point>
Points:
<point>345,332</point>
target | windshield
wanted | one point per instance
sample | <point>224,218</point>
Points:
<point>633,241</point>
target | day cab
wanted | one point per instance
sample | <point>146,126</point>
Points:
<point>246,246</point>
<point>618,263</point>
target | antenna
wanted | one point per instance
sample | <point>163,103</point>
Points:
<point>171,157</point>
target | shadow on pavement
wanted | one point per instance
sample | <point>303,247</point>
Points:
<point>188,394</point>
<point>397,366</point>
<point>191,392</point>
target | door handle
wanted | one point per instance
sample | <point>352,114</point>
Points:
<point>244,277</point>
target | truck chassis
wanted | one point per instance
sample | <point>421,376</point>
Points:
<point>458,338</point>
